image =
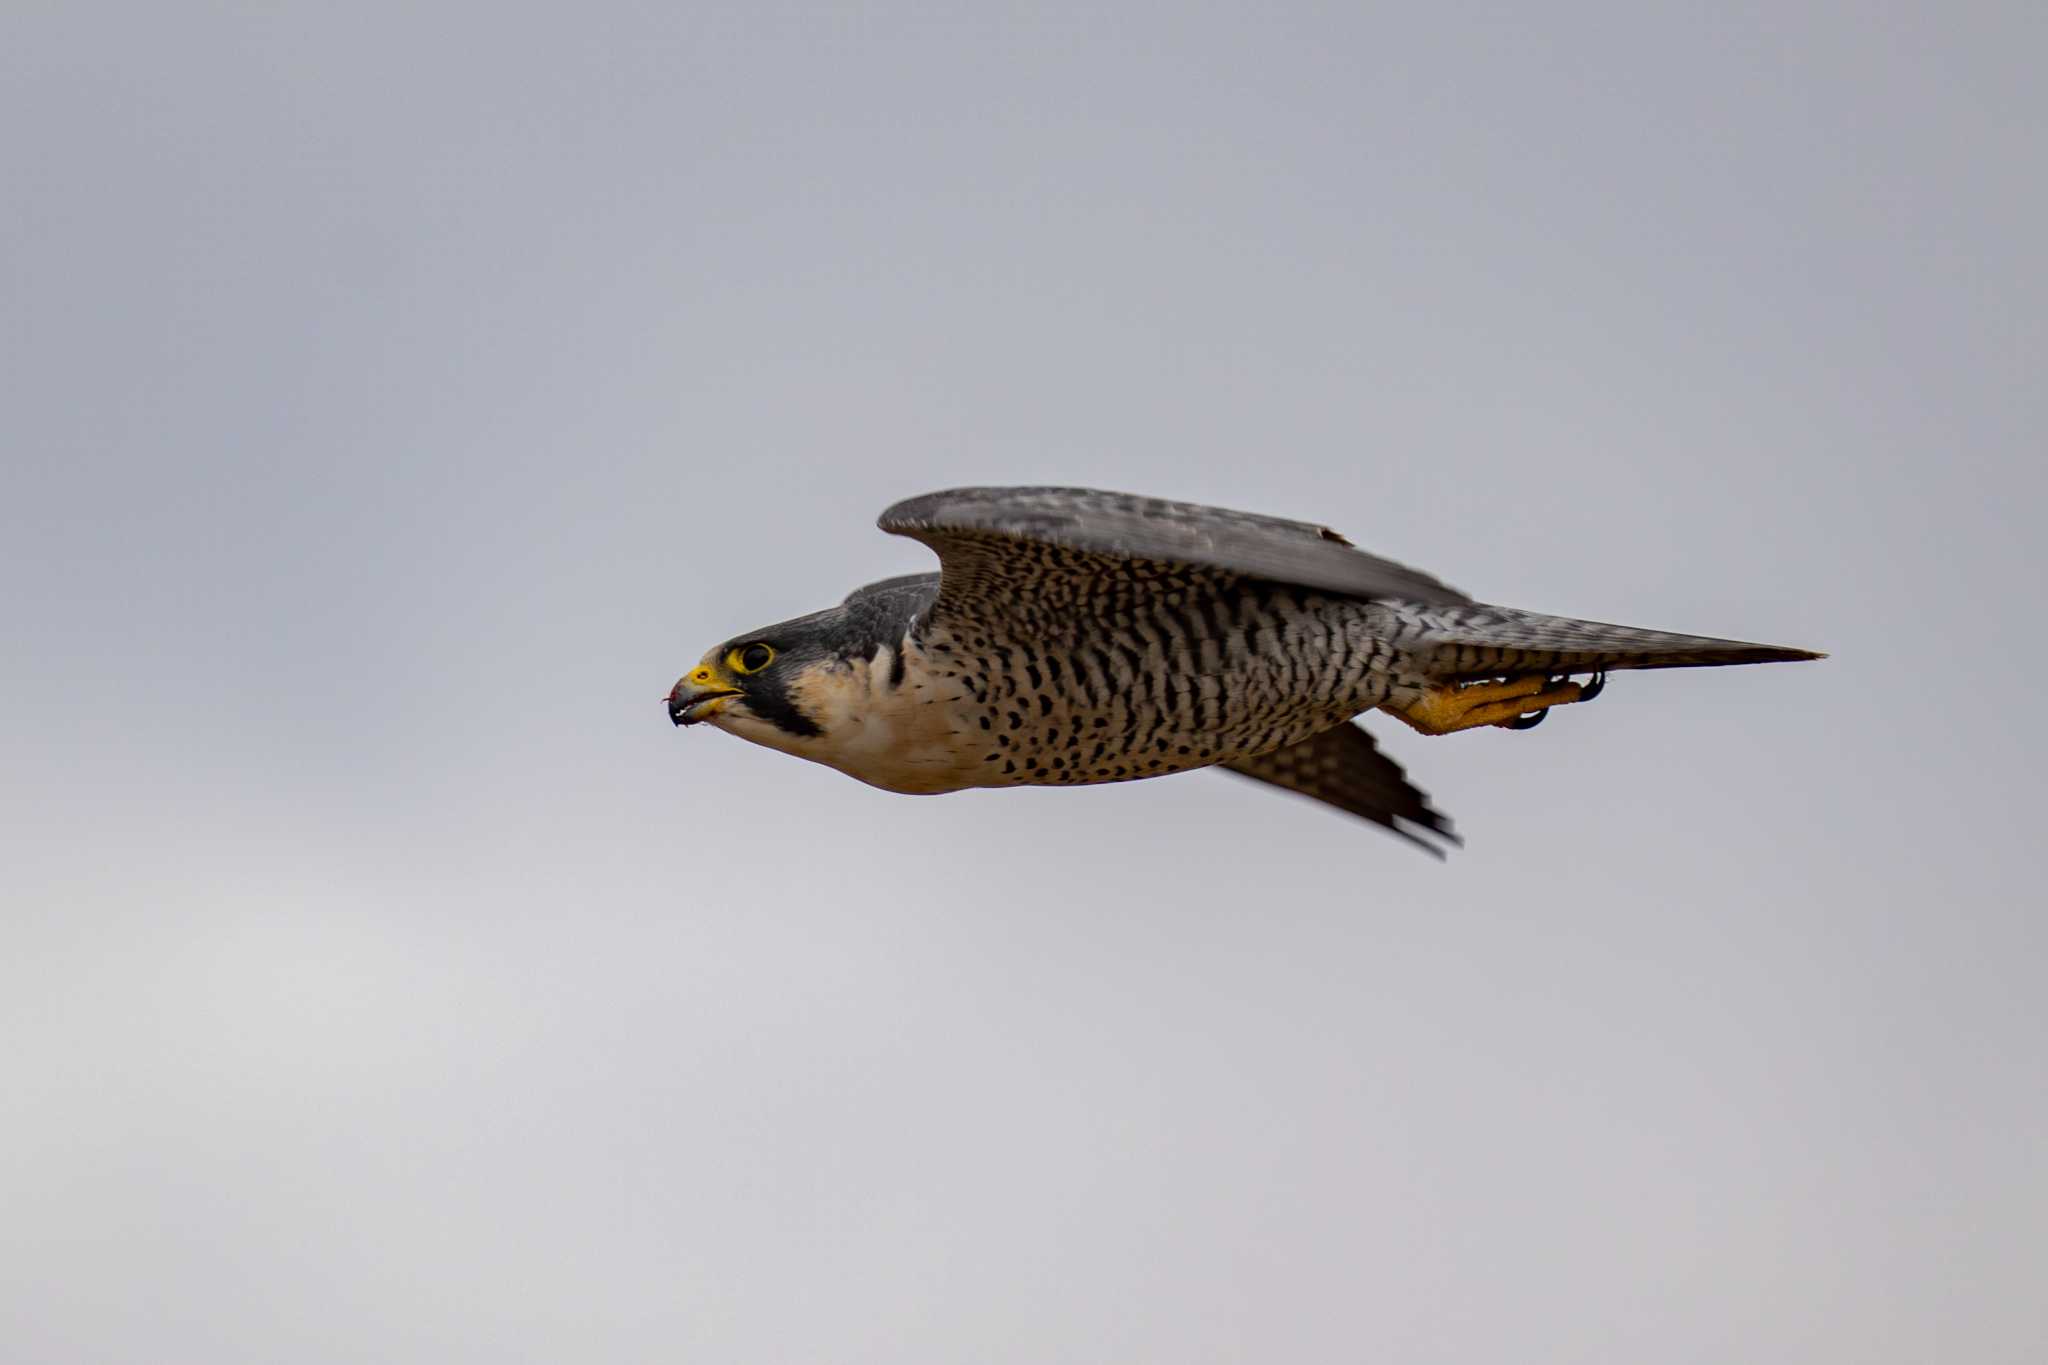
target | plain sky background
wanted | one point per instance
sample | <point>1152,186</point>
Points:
<point>398,398</point>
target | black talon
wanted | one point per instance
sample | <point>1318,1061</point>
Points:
<point>1528,722</point>
<point>1588,691</point>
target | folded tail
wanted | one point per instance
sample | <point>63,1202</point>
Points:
<point>1483,641</point>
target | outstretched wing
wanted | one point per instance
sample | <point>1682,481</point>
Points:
<point>1003,543</point>
<point>1342,767</point>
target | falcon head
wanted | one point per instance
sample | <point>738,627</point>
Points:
<point>803,686</point>
<point>757,685</point>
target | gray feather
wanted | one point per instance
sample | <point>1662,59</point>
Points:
<point>1482,641</point>
<point>1342,767</point>
<point>926,583</point>
<point>1128,527</point>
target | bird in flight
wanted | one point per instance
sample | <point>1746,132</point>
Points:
<point>1073,636</point>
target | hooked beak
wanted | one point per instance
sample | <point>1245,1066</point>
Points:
<point>690,700</point>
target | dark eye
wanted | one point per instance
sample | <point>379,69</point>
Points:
<point>753,658</point>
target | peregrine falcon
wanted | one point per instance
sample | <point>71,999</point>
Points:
<point>1073,636</point>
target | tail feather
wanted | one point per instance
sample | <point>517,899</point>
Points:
<point>1485,641</point>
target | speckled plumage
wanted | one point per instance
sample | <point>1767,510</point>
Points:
<point>1079,637</point>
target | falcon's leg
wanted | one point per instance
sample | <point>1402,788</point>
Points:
<point>1512,703</point>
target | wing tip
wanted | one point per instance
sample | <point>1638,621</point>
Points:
<point>1426,830</point>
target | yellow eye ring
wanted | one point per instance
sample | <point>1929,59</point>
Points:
<point>750,658</point>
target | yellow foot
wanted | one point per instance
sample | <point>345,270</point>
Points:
<point>1465,706</point>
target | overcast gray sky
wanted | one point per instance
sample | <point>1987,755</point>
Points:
<point>399,397</point>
